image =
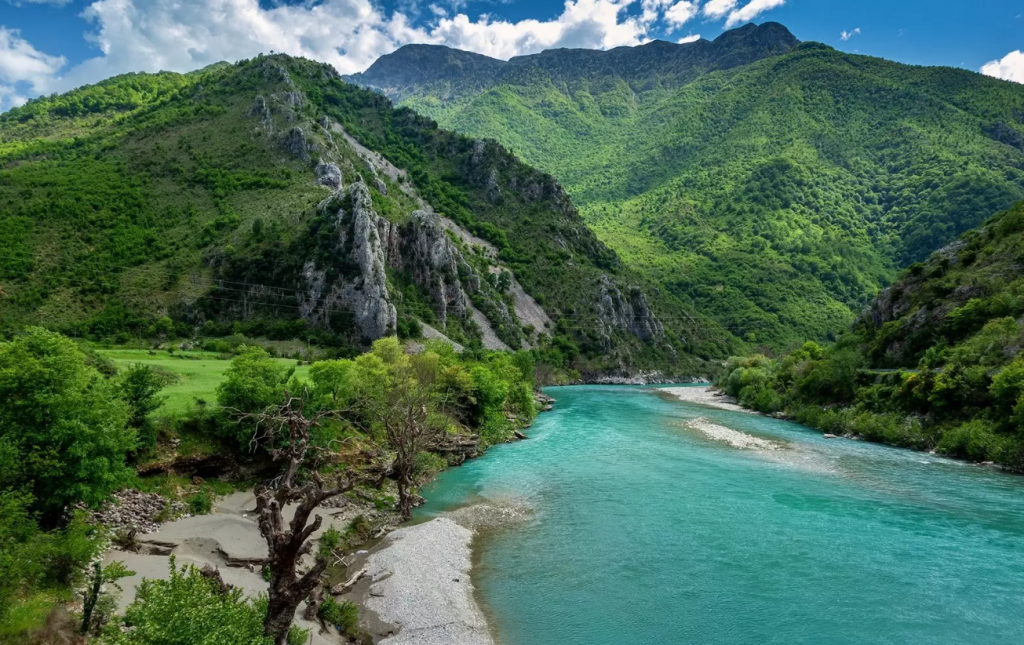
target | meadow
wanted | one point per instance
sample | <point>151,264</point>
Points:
<point>195,375</point>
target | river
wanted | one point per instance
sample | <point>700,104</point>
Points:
<point>644,531</point>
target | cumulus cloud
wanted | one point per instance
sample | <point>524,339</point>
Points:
<point>681,13</point>
<point>846,35</point>
<point>591,24</point>
<point>751,10</point>
<point>24,70</point>
<point>719,8</point>
<point>1009,67</point>
<point>692,38</point>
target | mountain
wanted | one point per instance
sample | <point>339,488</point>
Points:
<point>775,185</point>
<point>272,199</point>
<point>933,363</point>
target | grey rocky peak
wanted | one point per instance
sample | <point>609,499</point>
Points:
<point>381,187</point>
<point>328,175</point>
<point>295,143</point>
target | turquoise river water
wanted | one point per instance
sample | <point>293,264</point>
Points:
<point>643,531</point>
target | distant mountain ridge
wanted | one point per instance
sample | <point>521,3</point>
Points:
<point>412,67</point>
<point>775,184</point>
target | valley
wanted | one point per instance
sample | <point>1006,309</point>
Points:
<point>409,356</point>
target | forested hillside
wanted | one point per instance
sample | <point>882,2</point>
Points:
<point>776,185</point>
<point>933,363</point>
<point>271,198</point>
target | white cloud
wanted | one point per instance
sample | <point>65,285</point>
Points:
<point>692,38</point>
<point>681,13</point>
<point>1009,67</point>
<point>652,9</point>
<point>846,35</point>
<point>751,10</point>
<point>719,8</point>
<point>23,69</point>
<point>583,23</point>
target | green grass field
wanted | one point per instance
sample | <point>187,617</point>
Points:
<point>198,374</point>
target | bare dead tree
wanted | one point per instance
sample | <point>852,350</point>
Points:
<point>303,486</point>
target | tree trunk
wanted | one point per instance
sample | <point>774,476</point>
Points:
<point>280,614</point>
<point>316,598</point>
<point>404,493</point>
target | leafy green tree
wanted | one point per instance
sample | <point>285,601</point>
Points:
<point>140,386</point>
<point>62,423</point>
<point>398,403</point>
<point>253,383</point>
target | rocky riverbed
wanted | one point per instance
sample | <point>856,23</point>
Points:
<point>705,395</point>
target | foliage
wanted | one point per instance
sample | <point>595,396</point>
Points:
<point>140,386</point>
<point>343,615</point>
<point>774,185</point>
<point>254,383</point>
<point>63,427</point>
<point>933,363</point>
<point>189,609</point>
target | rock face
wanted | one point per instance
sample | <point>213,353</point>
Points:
<point>630,314</point>
<point>328,175</point>
<point>295,143</point>
<point>356,281</point>
<point>422,249</point>
<point>364,246</point>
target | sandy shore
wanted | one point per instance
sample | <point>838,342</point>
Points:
<point>420,585</point>
<point>226,539</point>
<point>704,395</point>
<point>415,586</point>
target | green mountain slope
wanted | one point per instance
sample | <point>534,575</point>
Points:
<point>270,197</point>
<point>776,185</point>
<point>933,363</point>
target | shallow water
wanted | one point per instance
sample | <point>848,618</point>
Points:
<point>645,531</point>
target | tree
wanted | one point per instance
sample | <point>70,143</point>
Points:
<point>300,484</point>
<point>63,427</point>
<point>97,605</point>
<point>252,384</point>
<point>140,386</point>
<point>399,400</point>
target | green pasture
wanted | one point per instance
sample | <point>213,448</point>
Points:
<point>198,374</point>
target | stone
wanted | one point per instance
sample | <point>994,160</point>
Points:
<point>259,108</point>
<point>328,175</point>
<point>295,143</point>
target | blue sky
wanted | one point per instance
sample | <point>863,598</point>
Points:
<point>55,45</point>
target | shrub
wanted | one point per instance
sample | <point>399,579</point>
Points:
<point>973,440</point>
<point>343,615</point>
<point>189,609</point>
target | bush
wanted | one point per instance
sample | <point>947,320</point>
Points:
<point>973,440</point>
<point>253,383</point>
<point>189,609</point>
<point>343,615</point>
